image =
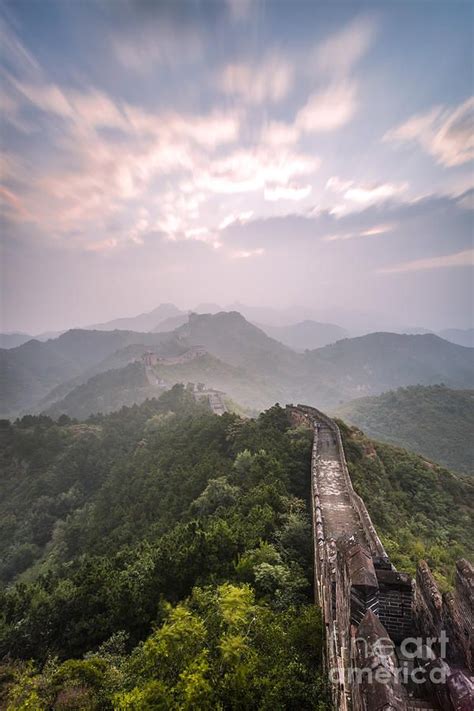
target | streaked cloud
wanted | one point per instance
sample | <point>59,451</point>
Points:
<point>157,46</point>
<point>329,109</point>
<point>247,253</point>
<point>240,9</point>
<point>467,200</point>
<point>231,219</point>
<point>370,194</point>
<point>445,133</point>
<point>254,170</point>
<point>377,230</point>
<point>369,232</point>
<point>277,134</point>
<point>459,259</point>
<point>358,196</point>
<point>286,192</point>
<point>340,52</point>
<point>255,83</point>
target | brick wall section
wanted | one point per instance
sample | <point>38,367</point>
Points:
<point>396,593</point>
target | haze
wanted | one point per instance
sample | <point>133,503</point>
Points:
<point>271,153</point>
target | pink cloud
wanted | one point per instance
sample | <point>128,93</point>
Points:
<point>447,134</point>
<point>329,109</point>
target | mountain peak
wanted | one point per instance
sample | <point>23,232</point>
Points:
<point>143,322</point>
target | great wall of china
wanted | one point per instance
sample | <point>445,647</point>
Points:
<point>370,609</point>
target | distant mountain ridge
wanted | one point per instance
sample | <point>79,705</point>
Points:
<point>370,364</point>
<point>30,371</point>
<point>12,340</point>
<point>306,335</point>
<point>167,316</point>
<point>143,322</point>
<point>230,337</point>
<point>461,336</point>
<point>37,375</point>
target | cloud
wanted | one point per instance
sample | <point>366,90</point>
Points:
<point>144,37</point>
<point>290,192</point>
<point>359,196</point>
<point>467,200</point>
<point>370,194</point>
<point>104,245</point>
<point>279,134</point>
<point>328,110</point>
<point>447,134</point>
<point>459,259</point>
<point>240,9</point>
<point>93,109</point>
<point>341,51</point>
<point>247,253</point>
<point>377,230</point>
<point>160,46</point>
<point>92,179</point>
<point>231,219</point>
<point>258,83</point>
<point>90,108</point>
<point>253,170</point>
<point>369,232</point>
<point>14,53</point>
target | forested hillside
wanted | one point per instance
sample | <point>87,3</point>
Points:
<point>31,371</point>
<point>434,421</point>
<point>130,385</point>
<point>160,558</point>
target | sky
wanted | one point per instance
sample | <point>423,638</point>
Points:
<point>267,152</point>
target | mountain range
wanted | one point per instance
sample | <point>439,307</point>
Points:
<point>306,335</point>
<point>299,327</point>
<point>237,356</point>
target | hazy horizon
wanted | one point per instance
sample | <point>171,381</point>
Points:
<point>267,153</point>
<point>355,322</point>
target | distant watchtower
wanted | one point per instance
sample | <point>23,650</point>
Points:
<point>149,358</point>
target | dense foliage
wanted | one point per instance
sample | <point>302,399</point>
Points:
<point>421,510</point>
<point>160,558</point>
<point>434,421</point>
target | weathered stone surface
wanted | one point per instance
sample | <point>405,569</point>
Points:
<point>378,686</point>
<point>452,613</point>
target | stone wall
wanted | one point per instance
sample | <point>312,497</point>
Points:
<point>362,596</point>
<point>302,414</point>
<point>451,612</point>
<point>396,595</point>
